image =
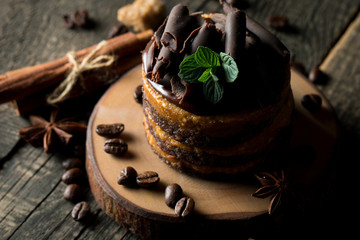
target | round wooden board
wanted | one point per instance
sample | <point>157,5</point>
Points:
<point>138,208</point>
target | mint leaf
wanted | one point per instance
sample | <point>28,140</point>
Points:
<point>230,67</point>
<point>214,77</point>
<point>210,68</point>
<point>205,76</point>
<point>213,91</point>
<point>206,57</point>
<point>190,70</point>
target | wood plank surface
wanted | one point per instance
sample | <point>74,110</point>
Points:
<point>31,32</point>
<point>9,125</point>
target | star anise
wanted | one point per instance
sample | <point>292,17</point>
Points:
<point>272,185</point>
<point>50,133</point>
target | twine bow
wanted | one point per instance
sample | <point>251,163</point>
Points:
<point>77,69</point>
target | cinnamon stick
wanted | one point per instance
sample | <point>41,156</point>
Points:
<point>98,79</point>
<point>26,81</point>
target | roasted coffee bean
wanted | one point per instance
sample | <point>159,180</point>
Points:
<point>115,146</point>
<point>80,18</point>
<point>311,102</point>
<point>138,93</point>
<point>73,175</point>
<point>80,210</point>
<point>173,193</point>
<point>147,179</point>
<point>279,22</point>
<point>110,130</point>
<point>117,30</point>
<point>73,192</point>
<point>127,177</point>
<point>317,76</point>
<point>72,163</point>
<point>184,206</point>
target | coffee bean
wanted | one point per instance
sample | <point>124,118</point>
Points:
<point>117,30</point>
<point>279,22</point>
<point>80,18</point>
<point>173,193</point>
<point>73,175</point>
<point>73,192</point>
<point>127,177</point>
<point>184,206</point>
<point>147,179</point>
<point>115,146</point>
<point>110,130</point>
<point>317,76</point>
<point>80,210</point>
<point>138,93</point>
<point>311,102</point>
<point>72,163</point>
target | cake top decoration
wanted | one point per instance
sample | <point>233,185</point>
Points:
<point>243,66</point>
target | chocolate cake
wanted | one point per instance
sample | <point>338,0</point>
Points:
<point>202,123</point>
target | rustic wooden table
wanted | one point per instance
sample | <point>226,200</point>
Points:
<point>324,33</point>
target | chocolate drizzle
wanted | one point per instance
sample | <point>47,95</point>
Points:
<point>263,61</point>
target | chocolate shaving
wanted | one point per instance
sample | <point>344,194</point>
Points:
<point>177,88</point>
<point>160,32</point>
<point>152,52</point>
<point>190,39</point>
<point>219,20</point>
<point>163,63</point>
<point>235,29</point>
<point>178,26</point>
<point>208,36</point>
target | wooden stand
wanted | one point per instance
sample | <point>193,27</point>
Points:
<point>220,206</point>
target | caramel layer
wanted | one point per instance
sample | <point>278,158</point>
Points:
<point>195,169</point>
<point>253,145</point>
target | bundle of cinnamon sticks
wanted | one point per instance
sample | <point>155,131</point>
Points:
<point>27,87</point>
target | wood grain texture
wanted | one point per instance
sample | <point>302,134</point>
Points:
<point>31,32</point>
<point>9,125</point>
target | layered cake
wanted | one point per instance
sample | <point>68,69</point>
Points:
<point>217,96</point>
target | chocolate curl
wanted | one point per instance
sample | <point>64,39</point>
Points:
<point>149,59</point>
<point>235,29</point>
<point>208,36</point>
<point>163,63</point>
<point>159,32</point>
<point>177,28</point>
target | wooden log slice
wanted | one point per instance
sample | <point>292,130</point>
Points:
<point>220,206</point>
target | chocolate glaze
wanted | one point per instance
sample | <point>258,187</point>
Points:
<point>263,61</point>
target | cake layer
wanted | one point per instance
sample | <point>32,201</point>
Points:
<point>235,146</point>
<point>203,170</point>
<point>219,130</point>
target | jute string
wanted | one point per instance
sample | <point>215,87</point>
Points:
<point>88,63</point>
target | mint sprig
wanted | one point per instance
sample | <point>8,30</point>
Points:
<point>212,69</point>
